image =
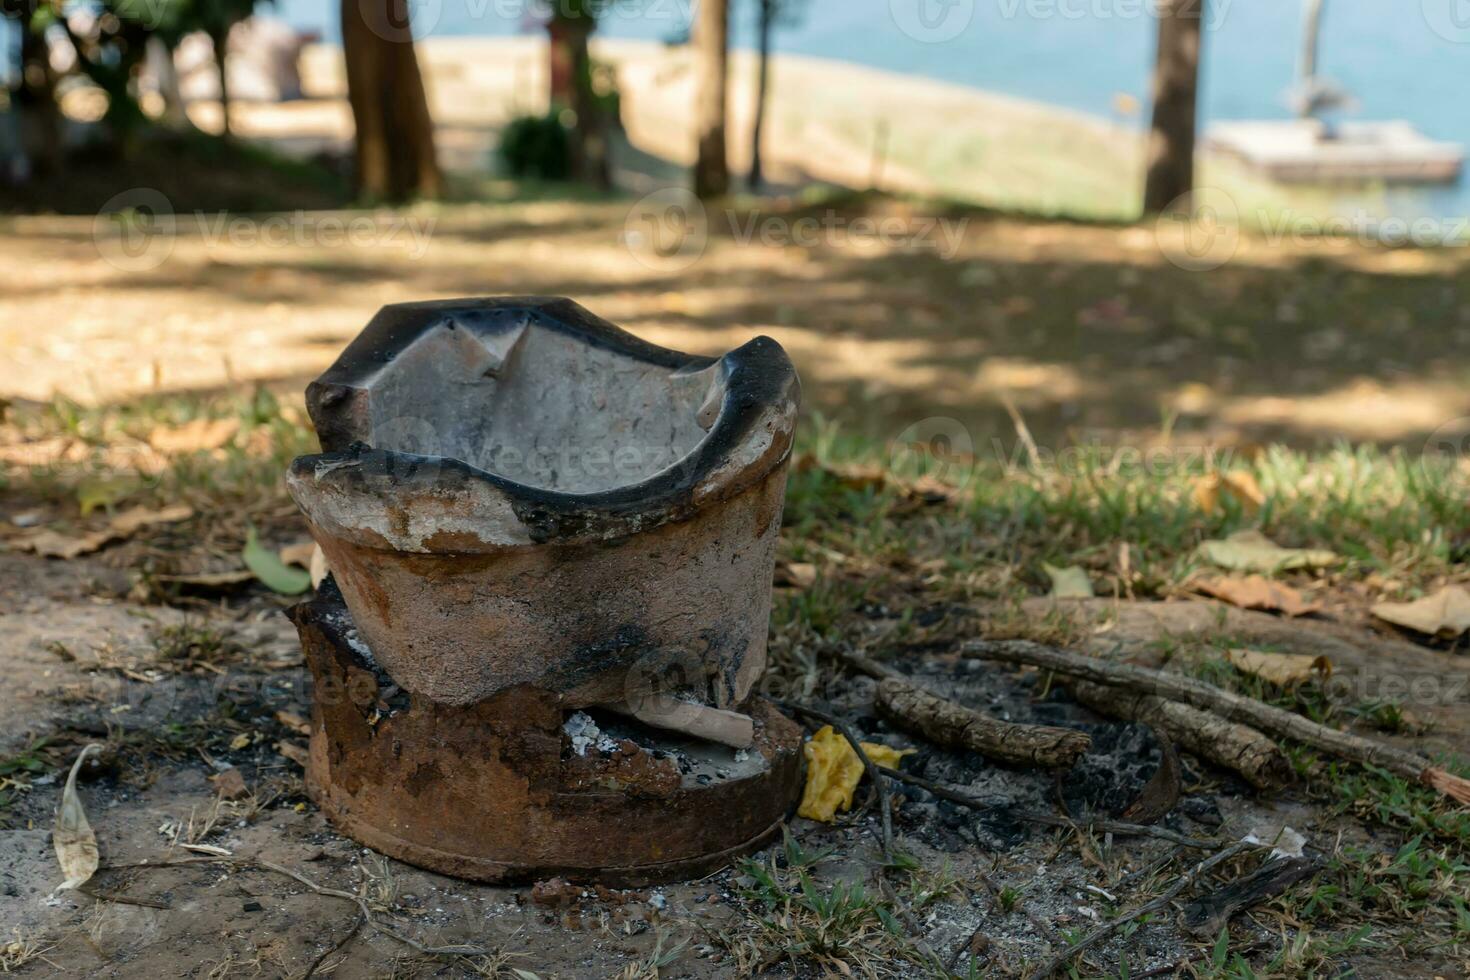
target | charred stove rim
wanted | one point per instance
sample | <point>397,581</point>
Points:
<point>762,394</point>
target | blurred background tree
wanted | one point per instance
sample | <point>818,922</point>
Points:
<point>574,105</point>
<point>712,53</point>
<point>1171,141</point>
<point>394,133</point>
<point>771,14</point>
<point>216,18</point>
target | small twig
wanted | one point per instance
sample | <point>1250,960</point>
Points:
<point>1051,820</point>
<point>1023,431</point>
<point>367,914</point>
<point>875,774</point>
<point>316,964</point>
<point>101,896</point>
<point>1102,932</point>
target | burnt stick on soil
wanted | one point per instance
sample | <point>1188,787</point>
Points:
<point>1234,707</point>
<point>908,704</point>
<point>1230,745</point>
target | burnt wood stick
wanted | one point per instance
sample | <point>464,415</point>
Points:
<point>944,722</point>
<point>1228,744</point>
<point>954,726</point>
<point>1273,721</point>
<point>1206,916</point>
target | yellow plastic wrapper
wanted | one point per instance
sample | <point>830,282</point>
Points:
<point>833,770</point>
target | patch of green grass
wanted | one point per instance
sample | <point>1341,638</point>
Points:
<point>1385,512</point>
<point>838,928</point>
<point>108,462</point>
<point>1380,796</point>
<point>16,772</point>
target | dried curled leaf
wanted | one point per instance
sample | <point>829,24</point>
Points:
<point>71,836</point>
<point>1068,583</point>
<point>1252,551</point>
<point>1240,486</point>
<point>194,436</point>
<point>795,574</point>
<point>1446,613</point>
<point>299,553</point>
<point>833,771</point>
<point>53,544</point>
<point>1281,669</point>
<point>1257,592</point>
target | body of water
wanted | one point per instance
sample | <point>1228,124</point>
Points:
<point>1400,59</point>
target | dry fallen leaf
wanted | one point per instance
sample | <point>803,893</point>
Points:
<point>299,553</point>
<point>1211,491</point>
<point>1257,592</point>
<point>52,544</point>
<point>293,721</point>
<point>795,574</point>
<point>230,784</point>
<point>1239,486</point>
<point>319,567</point>
<point>195,436</point>
<point>1160,795</point>
<point>211,580</point>
<point>1446,613</point>
<point>1281,669</point>
<point>72,837</point>
<point>833,770</point>
<point>1252,551</point>
<point>294,751</point>
<point>1068,583</point>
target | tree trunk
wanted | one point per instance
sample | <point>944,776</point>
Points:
<point>1175,92</point>
<point>763,85</point>
<point>161,63</point>
<point>571,88</point>
<point>712,46</point>
<point>394,136</point>
<point>221,43</point>
<point>40,117</point>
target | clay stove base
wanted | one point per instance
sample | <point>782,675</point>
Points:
<point>493,792</point>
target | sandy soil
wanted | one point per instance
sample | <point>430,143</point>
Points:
<point>1091,332</point>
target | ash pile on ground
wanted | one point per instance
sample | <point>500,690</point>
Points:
<point>1102,785</point>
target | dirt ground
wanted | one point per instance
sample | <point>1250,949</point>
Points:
<point>1066,333</point>
<point>81,663</point>
<point>1090,333</point>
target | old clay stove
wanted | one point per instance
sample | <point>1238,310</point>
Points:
<point>551,548</point>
